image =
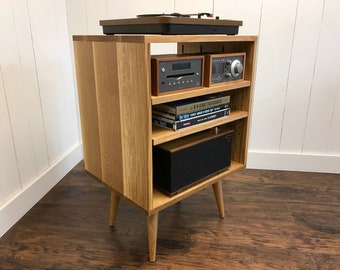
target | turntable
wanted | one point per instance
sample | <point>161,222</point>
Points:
<point>171,24</point>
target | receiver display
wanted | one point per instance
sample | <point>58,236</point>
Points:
<point>180,66</point>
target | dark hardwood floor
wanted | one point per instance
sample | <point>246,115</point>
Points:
<point>274,220</point>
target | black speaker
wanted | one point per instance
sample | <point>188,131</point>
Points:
<point>180,163</point>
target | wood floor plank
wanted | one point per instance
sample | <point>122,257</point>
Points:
<point>273,220</point>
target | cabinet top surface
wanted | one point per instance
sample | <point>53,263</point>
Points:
<point>164,38</point>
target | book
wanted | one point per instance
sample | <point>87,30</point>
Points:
<point>192,104</point>
<point>176,125</point>
<point>184,116</point>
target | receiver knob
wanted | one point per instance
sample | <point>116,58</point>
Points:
<point>236,68</point>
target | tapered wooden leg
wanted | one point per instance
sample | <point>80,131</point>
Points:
<point>152,223</point>
<point>217,187</point>
<point>113,207</point>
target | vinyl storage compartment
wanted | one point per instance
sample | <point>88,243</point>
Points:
<point>180,163</point>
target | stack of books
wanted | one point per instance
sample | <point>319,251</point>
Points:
<point>189,112</point>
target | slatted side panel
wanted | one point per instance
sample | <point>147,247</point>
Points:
<point>109,103</point>
<point>124,110</point>
<point>135,111</point>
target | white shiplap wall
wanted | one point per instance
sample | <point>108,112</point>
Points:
<point>39,137</point>
<point>296,108</point>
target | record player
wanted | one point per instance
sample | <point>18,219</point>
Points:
<point>171,24</point>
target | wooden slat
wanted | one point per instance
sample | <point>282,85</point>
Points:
<point>135,112</point>
<point>88,107</point>
<point>124,106</point>
<point>105,68</point>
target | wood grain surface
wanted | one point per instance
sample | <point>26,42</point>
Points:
<point>273,220</point>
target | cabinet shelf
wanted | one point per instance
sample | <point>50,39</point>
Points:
<point>199,92</point>
<point>162,135</point>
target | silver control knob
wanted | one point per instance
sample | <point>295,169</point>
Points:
<point>236,68</point>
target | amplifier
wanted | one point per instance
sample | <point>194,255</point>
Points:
<point>180,163</point>
<point>222,68</point>
<point>173,73</point>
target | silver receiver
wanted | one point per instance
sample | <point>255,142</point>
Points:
<point>224,68</point>
<point>174,73</point>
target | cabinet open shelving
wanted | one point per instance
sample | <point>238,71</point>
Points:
<point>162,135</point>
<point>199,92</point>
<point>115,101</point>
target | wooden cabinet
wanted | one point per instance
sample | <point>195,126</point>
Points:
<point>114,86</point>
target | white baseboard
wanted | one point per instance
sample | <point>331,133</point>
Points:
<point>18,206</point>
<point>293,162</point>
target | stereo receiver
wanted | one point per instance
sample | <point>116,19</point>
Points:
<point>223,68</point>
<point>173,73</point>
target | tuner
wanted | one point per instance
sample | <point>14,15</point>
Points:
<point>223,68</point>
<point>236,68</point>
